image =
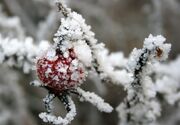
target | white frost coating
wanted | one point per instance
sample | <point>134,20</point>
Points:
<point>154,49</point>
<point>149,88</point>
<point>141,104</point>
<point>117,59</point>
<point>20,53</point>
<point>59,120</point>
<point>170,69</point>
<point>133,59</point>
<point>121,77</point>
<point>168,78</point>
<point>109,63</point>
<point>73,29</point>
<point>48,102</point>
<point>152,42</point>
<point>166,85</point>
<point>51,55</point>
<point>169,88</point>
<point>145,112</point>
<point>43,46</point>
<point>64,4</point>
<point>154,111</point>
<point>83,52</point>
<point>95,100</point>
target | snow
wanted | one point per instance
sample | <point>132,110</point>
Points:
<point>117,59</point>
<point>94,100</point>
<point>70,27</point>
<point>169,87</point>
<point>66,54</point>
<point>59,120</point>
<point>48,102</point>
<point>83,52</point>
<point>75,76</point>
<point>134,74</point>
<point>62,69</point>
<point>173,65</point>
<point>153,42</point>
<point>141,103</point>
<point>51,55</point>
<point>168,78</point>
<point>149,88</point>
<point>20,53</point>
<point>74,30</point>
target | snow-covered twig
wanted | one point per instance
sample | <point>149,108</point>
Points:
<point>59,120</point>
<point>62,70</point>
<point>95,100</point>
<point>141,105</point>
<point>167,81</point>
<point>21,54</point>
<point>73,28</point>
<point>64,66</point>
<point>48,102</point>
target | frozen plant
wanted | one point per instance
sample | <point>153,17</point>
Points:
<point>167,81</point>
<point>63,68</point>
<point>97,57</point>
<point>141,106</point>
<point>20,54</point>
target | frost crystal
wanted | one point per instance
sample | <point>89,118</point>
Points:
<point>141,104</point>
<point>63,67</point>
<point>168,79</point>
<point>95,100</point>
<point>20,54</point>
<point>59,120</point>
<point>94,55</point>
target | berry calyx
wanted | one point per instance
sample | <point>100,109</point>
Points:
<point>60,71</point>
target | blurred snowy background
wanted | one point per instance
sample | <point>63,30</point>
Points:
<point>120,24</point>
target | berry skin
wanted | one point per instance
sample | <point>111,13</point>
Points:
<point>60,72</point>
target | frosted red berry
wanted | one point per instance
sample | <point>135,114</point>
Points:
<point>60,72</point>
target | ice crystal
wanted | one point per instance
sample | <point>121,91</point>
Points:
<point>141,105</point>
